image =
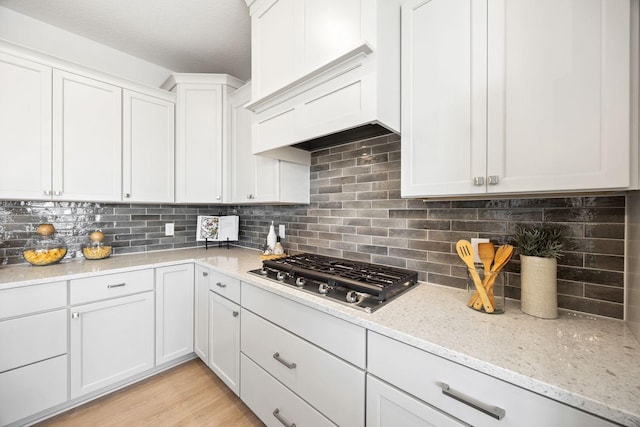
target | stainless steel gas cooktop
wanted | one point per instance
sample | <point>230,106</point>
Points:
<point>357,284</point>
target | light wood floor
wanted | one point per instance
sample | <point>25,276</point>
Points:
<point>187,395</point>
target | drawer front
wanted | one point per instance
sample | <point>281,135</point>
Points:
<point>32,338</point>
<point>31,389</point>
<point>110,286</point>
<point>332,386</point>
<point>224,285</point>
<point>424,375</point>
<point>272,402</point>
<point>337,336</point>
<point>387,406</point>
<point>31,299</point>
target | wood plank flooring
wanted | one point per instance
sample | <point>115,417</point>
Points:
<point>187,395</point>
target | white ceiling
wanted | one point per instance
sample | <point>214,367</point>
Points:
<point>199,36</point>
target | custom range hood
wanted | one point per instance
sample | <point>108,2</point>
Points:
<point>323,74</point>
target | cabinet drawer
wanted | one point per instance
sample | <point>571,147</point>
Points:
<point>337,336</point>
<point>267,398</point>
<point>224,285</point>
<point>33,338</point>
<point>31,299</point>
<point>424,375</point>
<point>31,389</point>
<point>110,286</point>
<point>332,386</point>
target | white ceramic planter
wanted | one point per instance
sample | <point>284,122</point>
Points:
<point>539,284</point>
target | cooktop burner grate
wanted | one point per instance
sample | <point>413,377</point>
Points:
<point>362,284</point>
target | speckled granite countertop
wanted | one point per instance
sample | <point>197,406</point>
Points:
<point>584,361</point>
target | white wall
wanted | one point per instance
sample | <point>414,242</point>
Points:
<point>632,251</point>
<point>30,33</point>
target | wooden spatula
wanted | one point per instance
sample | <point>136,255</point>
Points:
<point>465,252</point>
<point>502,257</point>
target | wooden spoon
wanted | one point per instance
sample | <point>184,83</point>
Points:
<point>503,255</point>
<point>486,252</point>
<point>465,252</point>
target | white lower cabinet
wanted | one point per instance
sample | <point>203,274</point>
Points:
<point>224,340</point>
<point>174,312</point>
<point>285,341</point>
<point>33,350</point>
<point>389,407</point>
<point>28,390</point>
<point>111,341</point>
<point>465,394</point>
<point>201,313</point>
<point>274,403</point>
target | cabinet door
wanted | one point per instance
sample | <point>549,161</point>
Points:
<point>201,314</point>
<point>25,120</point>
<point>253,178</point>
<point>174,312</point>
<point>559,95</point>
<point>224,340</point>
<point>110,341</point>
<point>389,407</point>
<point>87,139</point>
<point>443,97</point>
<point>148,146</point>
<point>199,143</point>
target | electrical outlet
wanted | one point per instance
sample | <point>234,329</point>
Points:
<point>281,231</point>
<point>169,229</point>
<point>474,243</point>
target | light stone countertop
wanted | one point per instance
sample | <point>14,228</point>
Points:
<point>588,362</point>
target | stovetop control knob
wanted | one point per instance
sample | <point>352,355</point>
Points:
<point>323,288</point>
<point>300,281</point>
<point>263,271</point>
<point>280,276</point>
<point>352,296</point>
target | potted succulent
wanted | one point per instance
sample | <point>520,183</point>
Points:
<point>539,246</point>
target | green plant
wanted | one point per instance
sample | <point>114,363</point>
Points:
<point>541,240</point>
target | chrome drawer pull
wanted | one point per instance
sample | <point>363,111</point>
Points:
<point>276,413</point>
<point>289,365</point>
<point>494,411</point>
<point>119,285</point>
<point>221,285</point>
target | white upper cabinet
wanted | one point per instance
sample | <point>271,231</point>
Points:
<point>25,120</point>
<point>201,104</point>
<point>148,148</point>
<point>320,67</point>
<point>496,102</point>
<point>87,138</point>
<point>254,178</point>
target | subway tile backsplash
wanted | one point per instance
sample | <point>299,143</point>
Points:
<point>356,212</point>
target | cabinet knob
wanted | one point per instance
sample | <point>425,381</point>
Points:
<point>205,274</point>
<point>57,193</point>
<point>127,195</point>
<point>221,285</point>
<point>235,313</point>
<point>249,196</point>
<point>494,179</point>
<point>47,192</point>
<point>218,197</point>
<point>478,180</point>
<point>75,315</point>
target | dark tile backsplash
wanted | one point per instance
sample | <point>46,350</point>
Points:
<point>356,212</point>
